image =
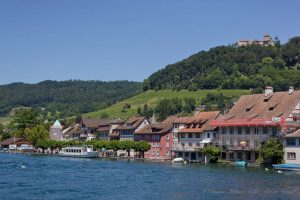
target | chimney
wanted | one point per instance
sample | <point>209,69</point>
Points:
<point>268,90</point>
<point>291,90</point>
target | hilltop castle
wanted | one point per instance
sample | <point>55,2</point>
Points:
<point>266,41</point>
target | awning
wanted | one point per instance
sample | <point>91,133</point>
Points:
<point>205,141</point>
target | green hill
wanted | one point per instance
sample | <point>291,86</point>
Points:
<point>152,97</point>
<point>232,67</point>
<point>60,99</point>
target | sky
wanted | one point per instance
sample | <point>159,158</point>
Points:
<point>126,40</point>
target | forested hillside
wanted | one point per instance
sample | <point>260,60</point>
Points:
<point>229,67</point>
<point>65,98</point>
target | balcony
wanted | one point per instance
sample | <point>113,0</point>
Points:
<point>293,123</point>
<point>239,148</point>
<point>296,114</point>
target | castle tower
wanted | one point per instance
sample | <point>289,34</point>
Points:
<point>56,132</point>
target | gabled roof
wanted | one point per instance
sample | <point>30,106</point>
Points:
<point>131,123</point>
<point>159,128</point>
<point>91,123</point>
<point>201,122</point>
<point>295,134</point>
<point>13,140</point>
<point>252,106</point>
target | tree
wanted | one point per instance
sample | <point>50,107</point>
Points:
<point>115,146</point>
<point>43,144</point>
<point>5,136</point>
<point>104,116</point>
<point>127,145</point>
<point>24,118</point>
<point>272,151</point>
<point>141,147</point>
<point>139,111</point>
<point>212,152</point>
<point>36,133</point>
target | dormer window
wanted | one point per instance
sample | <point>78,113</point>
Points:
<point>271,108</point>
<point>248,109</point>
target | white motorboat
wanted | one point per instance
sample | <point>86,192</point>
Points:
<point>178,160</point>
<point>79,152</point>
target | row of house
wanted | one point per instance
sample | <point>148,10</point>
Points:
<point>249,123</point>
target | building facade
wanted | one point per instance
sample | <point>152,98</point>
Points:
<point>291,144</point>
<point>159,136</point>
<point>130,126</point>
<point>56,131</point>
<point>266,41</point>
<point>253,119</point>
<point>195,135</point>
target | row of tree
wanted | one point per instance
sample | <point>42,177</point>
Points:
<point>167,107</point>
<point>98,145</point>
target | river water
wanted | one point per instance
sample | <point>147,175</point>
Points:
<point>25,176</point>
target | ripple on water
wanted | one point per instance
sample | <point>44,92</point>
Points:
<point>50,177</point>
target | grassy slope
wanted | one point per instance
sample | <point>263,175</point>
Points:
<point>5,120</point>
<point>152,97</point>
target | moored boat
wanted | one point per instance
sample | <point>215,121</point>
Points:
<point>287,167</point>
<point>241,163</point>
<point>178,160</point>
<point>79,152</point>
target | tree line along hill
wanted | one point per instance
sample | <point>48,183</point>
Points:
<point>232,67</point>
<point>60,99</point>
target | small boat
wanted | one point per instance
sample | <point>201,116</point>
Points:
<point>287,167</point>
<point>178,160</point>
<point>241,163</point>
<point>79,152</point>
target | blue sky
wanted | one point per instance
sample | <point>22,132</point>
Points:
<point>118,40</point>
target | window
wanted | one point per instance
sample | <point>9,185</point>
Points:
<point>255,130</point>
<point>182,135</point>
<point>157,153</point>
<point>186,154</point>
<point>214,135</point>
<point>223,141</point>
<point>190,144</point>
<point>291,155</point>
<point>291,141</point>
<point>231,130</point>
<point>247,130</point>
<point>271,108</point>
<point>176,126</point>
<point>167,145</point>
<point>182,144</point>
<point>153,144</point>
<point>208,135</point>
<point>223,131</point>
<point>265,130</point>
<point>239,155</point>
<point>167,137</point>
<point>190,135</point>
<point>231,155</point>
<point>274,130</point>
<point>239,130</point>
<point>197,135</point>
<point>231,141</point>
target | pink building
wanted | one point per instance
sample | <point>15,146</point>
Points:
<point>159,136</point>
